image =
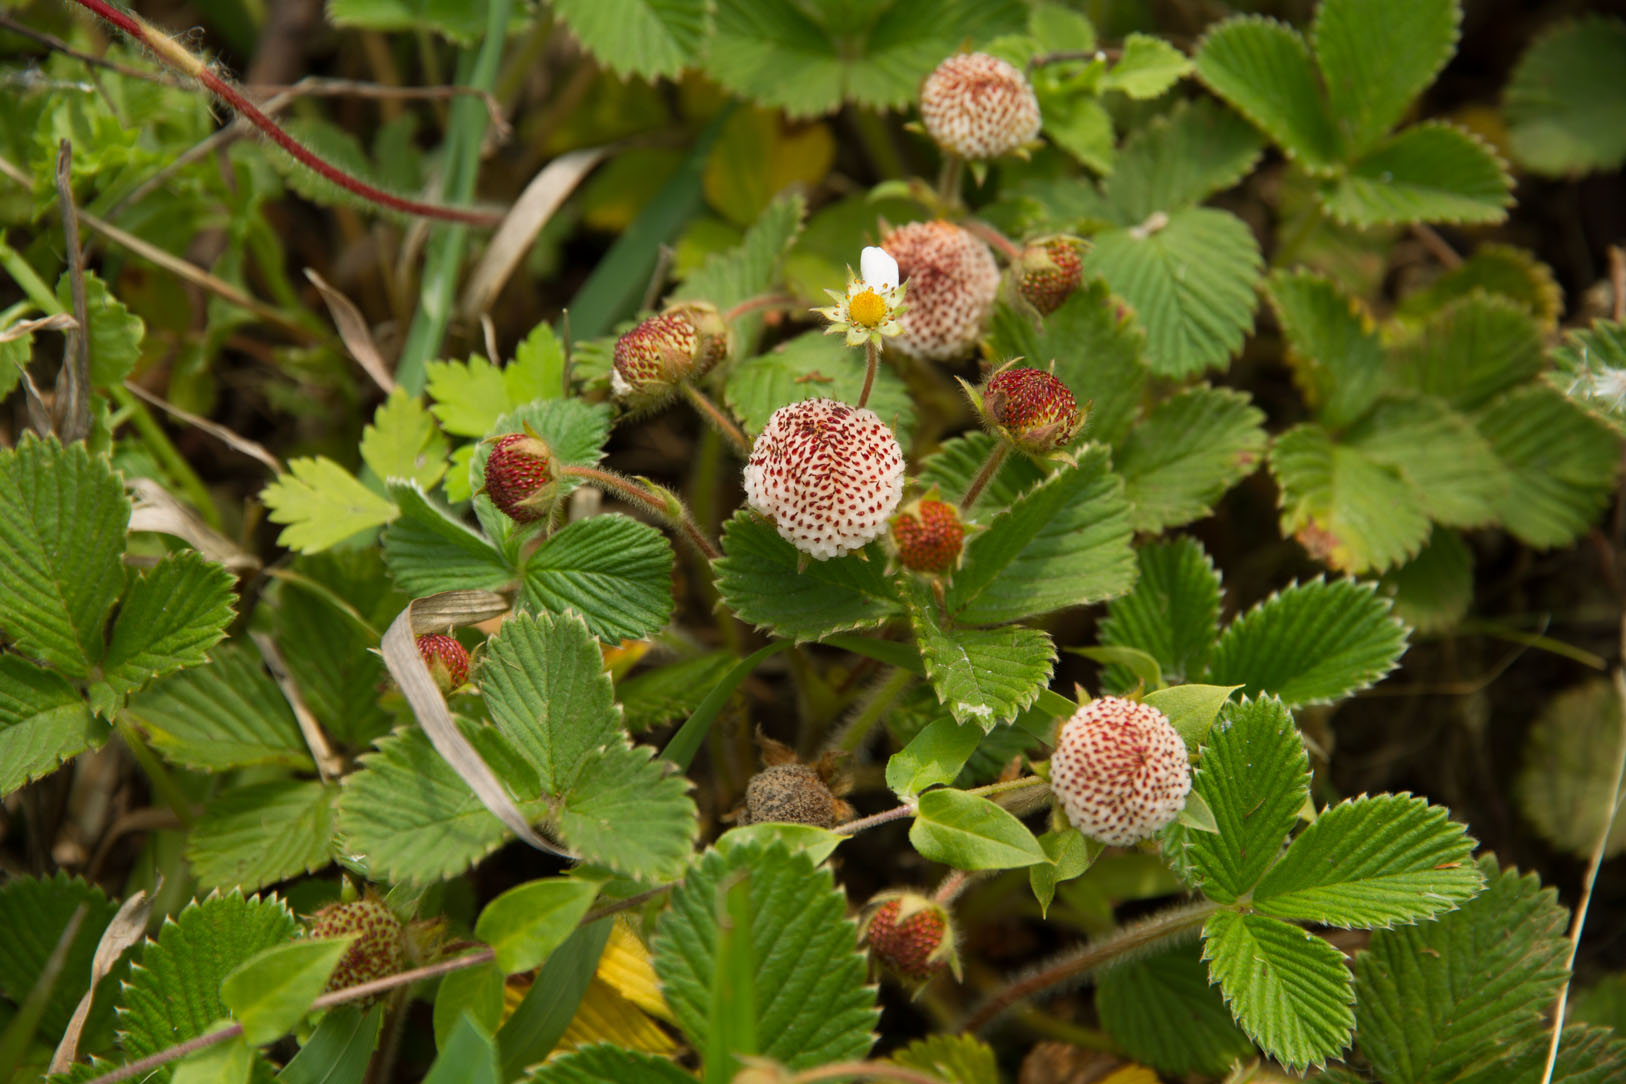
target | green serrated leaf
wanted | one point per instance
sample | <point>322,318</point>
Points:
<point>1433,590</point>
<point>630,811</point>
<point>1289,989</point>
<point>1171,614</point>
<point>1346,510</point>
<point>1255,776</point>
<point>1081,126</point>
<point>672,690</point>
<point>1565,114</point>
<point>259,834</point>
<point>1602,1003</point>
<point>1376,57</point>
<point>806,1007</point>
<point>63,515</point>
<point>1147,67</point>
<point>612,570</point>
<point>1504,271</point>
<point>1471,352</point>
<point>933,757</point>
<point>1179,159</point>
<point>321,504</point>
<point>230,1062</point>
<point>575,432</point>
<point>1369,862</point>
<point>327,621</point>
<point>1263,68</point>
<point>1568,767</point>
<point>468,396</point>
<point>954,1059</point>
<point>970,832</point>
<point>527,922</point>
<point>1337,358</point>
<point>817,843</point>
<point>412,815</point>
<point>1449,1000</point>
<point>226,714</point>
<point>544,683</point>
<point>647,38</point>
<point>814,365</point>
<point>429,551</point>
<point>1190,279</point>
<point>171,616</point>
<point>270,991</point>
<point>1066,542</point>
<point>758,578</point>
<point>38,910</point>
<point>808,59</point>
<point>1311,643</point>
<point>1187,452</point>
<point>1166,1015</point>
<point>1430,172</point>
<point>173,993</point>
<point>339,1049</point>
<point>601,1063</point>
<point>543,680</point>
<point>1563,464</point>
<point>985,676</point>
<point>1450,467</point>
<point>403,441</point>
<point>43,722</point>
<point>115,332</point>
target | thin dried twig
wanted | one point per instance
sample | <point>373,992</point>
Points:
<point>253,449</point>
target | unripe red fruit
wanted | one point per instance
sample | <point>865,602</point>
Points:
<point>928,536</point>
<point>1034,408</point>
<point>909,934</point>
<point>665,350</point>
<point>1049,271</point>
<point>448,662</point>
<point>379,949</point>
<point>519,477</point>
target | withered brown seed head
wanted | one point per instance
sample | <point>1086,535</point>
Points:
<point>793,793</point>
<point>380,950</point>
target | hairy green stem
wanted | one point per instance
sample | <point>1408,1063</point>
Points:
<point>1174,923</point>
<point>880,702</point>
<point>625,487</point>
<point>719,420</point>
<point>984,476</point>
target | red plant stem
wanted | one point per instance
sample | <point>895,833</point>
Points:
<point>871,360</point>
<point>761,301</point>
<point>1006,246</point>
<point>995,458</point>
<point>177,57</point>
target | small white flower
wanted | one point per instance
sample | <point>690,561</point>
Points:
<point>869,310</point>
<point>878,267</point>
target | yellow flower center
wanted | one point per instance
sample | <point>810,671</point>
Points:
<point>867,309</point>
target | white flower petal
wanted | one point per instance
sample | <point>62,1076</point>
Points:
<point>878,268</point>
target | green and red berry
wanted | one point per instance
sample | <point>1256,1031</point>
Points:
<point>677,345</point>
<point>1049,271</point>
<point>521,477</point>
<point>448,660</point>
<point>379,949</point>
<point>1032,408</point>
<point>929,535</point>
<point>910,935</point>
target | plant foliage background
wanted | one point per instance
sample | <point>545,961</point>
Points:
<point>1346,509</point>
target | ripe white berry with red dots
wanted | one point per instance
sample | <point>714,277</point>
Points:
<point>978,106</point>
<point>952,281</point>
<point>1120,770</point>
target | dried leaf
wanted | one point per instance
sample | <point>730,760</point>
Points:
<point>126,929</point>
<point>353,329</point>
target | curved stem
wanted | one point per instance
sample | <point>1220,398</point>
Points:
<point>670,509</point>
<point>896,814</point>
<point>948,181</point>
<point>1006,246</point>
<point>984,476</point>
<point>872,357</point>
<point>956,882</point>
<point>718,419</point>
<point>761,301</point>
<point>178,57</point>
<point>1178,922</point>
<point>852,736</point>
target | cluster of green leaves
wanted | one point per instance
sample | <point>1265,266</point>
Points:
<point>1332,103</point>
<point>1447,426</point>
